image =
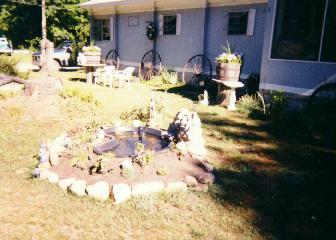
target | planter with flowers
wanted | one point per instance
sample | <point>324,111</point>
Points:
<point>92,54</point>
<point>228,65</point>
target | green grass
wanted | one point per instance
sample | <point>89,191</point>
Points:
<point>269,186</point>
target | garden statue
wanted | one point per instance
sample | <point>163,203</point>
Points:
<point>204,98</point>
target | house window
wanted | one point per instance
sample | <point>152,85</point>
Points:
<point>101,29</point>
<point>169,25</point>
<point>329,39</point>
<point>298,30</point>
<point>238,22</point>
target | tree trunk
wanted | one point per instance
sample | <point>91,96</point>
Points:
<point>44,38</point>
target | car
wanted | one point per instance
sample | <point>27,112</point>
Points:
<point>61,55</point>
<point>6,46</point>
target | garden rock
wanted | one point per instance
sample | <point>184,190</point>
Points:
<point>182,146</point>
<point>190,181</point>
<point>176,186</point>
<point>147,188</point>
<point>78,188</point>
<point>127,164</point>
<point>44,174</point>
<point>99,191</point>
<point>54,159</point>
<point>206,178</point>
<point>53,177</point>
<point>121,192</point>
<point>65,183</point>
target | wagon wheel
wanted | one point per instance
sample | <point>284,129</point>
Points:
<point>112,58</point>
<point>198,71</point>
<point>150,64</point>
<point>324,95</point>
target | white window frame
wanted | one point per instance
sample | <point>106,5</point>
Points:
<point>178,24</point>
<point>110,26</point>
<point>250,25</point>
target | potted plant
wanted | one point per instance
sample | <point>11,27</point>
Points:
<point>92,54</point>
<point>228,65</point>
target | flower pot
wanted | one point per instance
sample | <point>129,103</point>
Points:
<point>228,71</point>
<point>92,57</point>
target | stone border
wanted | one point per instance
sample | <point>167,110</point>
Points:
<point>119,192</point>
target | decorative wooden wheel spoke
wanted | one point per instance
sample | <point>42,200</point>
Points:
<point>112,58</point>
<point>150,64</point>
<point>198,71</point>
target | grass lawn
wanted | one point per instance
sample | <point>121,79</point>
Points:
<point>269,184</point>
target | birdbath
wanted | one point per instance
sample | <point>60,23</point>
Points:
<point>226,95</point>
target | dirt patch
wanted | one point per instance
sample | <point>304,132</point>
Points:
<point>177,170</point>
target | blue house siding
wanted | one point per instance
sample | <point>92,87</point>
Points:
<point>291,76</point>
<point>132,40</point>
<point>177,50</point>
<point>250,46</point>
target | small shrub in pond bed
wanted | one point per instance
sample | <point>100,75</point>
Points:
<point>101,166</point>
<point>162,171</point>
<point>127,172</point>
<point>144,157</point>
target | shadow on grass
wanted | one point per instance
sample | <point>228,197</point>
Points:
<point>192,93</point>
<point>77,80</point>
<point>291,191</point>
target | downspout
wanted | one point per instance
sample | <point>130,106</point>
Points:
<point>154,21</point>
<point>116,32</point>
<point>91,25</point>
<point>205,28</point>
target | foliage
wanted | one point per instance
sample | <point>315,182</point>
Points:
<point>144,157</point>
<point>151,32</point>
<point>277,105</point>
<point>142,113</point>
<point>229,56</point>
<point>251,105</point>
<point>165,79</point>
<point>127,172</point>
<point>80,159</point>
<point>33,44</point>
<point>65,21</point>
<point>8,66</point>
<point>75,92</point>
<point>91,48</point>
<point>6,94</point>
<point>101,166</point>
<point>162,171</point>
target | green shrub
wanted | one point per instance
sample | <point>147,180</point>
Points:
<point>250,105</point>
<point>8,66</point>
<point>142,113</point>
<point>277,105</point>
<point>165,79</point>
<point>144,157</point>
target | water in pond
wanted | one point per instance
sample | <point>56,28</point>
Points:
<point>128,140</point>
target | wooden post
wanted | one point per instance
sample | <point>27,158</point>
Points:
<point>223,95</point>
<point>44,38</point>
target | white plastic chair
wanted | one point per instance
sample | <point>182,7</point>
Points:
<point>124,76</point>
<point>109,74</point>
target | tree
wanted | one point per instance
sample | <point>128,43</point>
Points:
<point>65,21</point>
